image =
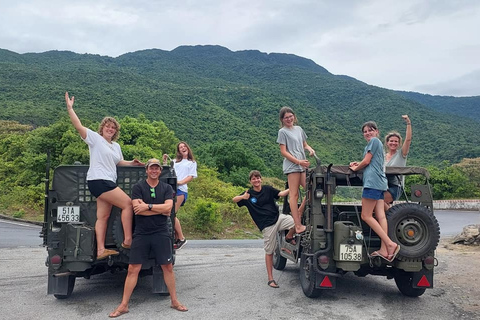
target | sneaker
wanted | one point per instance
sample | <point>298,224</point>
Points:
<point>179,244</point>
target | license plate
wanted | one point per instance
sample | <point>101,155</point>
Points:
<point>350,252</point>
<point>68,214</point>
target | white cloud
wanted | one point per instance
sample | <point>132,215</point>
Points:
<point>394,44</point>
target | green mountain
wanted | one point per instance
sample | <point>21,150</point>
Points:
<point>210,95</point>
<point>460,106</point>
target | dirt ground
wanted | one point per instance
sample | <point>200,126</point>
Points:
<point>458,274</point>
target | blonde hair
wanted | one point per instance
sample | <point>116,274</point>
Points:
<point>104,123</point>
<point>393,134</point>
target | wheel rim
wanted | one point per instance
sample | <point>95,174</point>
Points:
<point>411,232</point>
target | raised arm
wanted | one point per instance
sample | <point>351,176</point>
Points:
<point>408,136</point>
<point>73,116</point>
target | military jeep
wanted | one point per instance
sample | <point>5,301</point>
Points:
<point>337,241</point>
<point>69,233</point>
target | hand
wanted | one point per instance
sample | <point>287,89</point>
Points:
<point>353,167</point>
<point>136,162</point>
<point>406,118</point>
<point>69,101</point>
<point>311,151</point>
<point>165,158</point>
<point>304,163</point>
<point>246,195</point>
<point>140,206</point>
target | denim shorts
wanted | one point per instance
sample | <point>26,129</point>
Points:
<point>374,194</point>
<point>182,193</point>
<point>395,191</point>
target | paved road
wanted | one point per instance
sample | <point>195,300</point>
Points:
<point>216,280</point>
<point>15,234</point>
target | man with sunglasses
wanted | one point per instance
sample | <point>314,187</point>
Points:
<point>152,202</point>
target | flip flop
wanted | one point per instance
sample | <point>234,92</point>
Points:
<point>378,254</point>
<point>273,284</point>
<point>397,250</point>
<point>179,307</point>
<point>126,246</point>
<point>300,233</point>
<point>106,253</point>
<point>117,313</point>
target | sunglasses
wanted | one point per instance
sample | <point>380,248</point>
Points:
<point>152,190</point>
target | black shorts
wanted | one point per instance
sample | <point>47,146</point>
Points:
<point>97,187</point>
<point>156,246</point>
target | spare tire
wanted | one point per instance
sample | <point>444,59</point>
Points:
<point>415,228</point>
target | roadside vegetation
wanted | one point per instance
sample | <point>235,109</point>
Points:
<point>223,171</point>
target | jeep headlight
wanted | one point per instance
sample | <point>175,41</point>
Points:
<point>318,193</point>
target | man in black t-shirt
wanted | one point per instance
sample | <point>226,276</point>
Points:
<point>260,202</point>
<point>152,202</point>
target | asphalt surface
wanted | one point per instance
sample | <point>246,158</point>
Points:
<point>226,279</point>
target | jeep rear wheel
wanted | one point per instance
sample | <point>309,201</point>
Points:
<point>415,228</point>
<point>404,283</point>
<point>279,262</point>
<point>308,277</point>
<point>69,281</point>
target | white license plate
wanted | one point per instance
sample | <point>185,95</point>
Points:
<point>68,214</point>
<point>350,252</point>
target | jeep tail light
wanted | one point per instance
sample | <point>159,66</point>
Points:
<point>429,262</point>
<point>56,259</point>
<point>418,193</point>
<point>323,261</point>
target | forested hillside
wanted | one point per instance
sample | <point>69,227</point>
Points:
<point>460,106</point>
<point>209,95</point>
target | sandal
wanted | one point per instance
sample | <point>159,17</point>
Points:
<point>179,307</point>
<point>273,284</point>
<point>291,240</point>
<point>117,313</point>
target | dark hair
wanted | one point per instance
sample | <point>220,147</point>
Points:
<point>104,123</point>
<point>370,124</point>
<point>282,113</point>
<point>179,155</point>
<point>254,173</point>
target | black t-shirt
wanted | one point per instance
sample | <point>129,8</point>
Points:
<point>261,206</point>
<point>157,222</point>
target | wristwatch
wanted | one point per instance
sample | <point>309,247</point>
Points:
<point>150,206</point>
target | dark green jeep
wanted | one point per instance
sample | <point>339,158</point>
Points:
<point>69,235</point>
<point>337,241</point>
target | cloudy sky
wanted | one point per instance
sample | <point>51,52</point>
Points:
<point>428,46</point>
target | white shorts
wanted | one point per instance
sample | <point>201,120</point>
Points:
<point>284,222</point>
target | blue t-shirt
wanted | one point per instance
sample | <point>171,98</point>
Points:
<point>374,174</point>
